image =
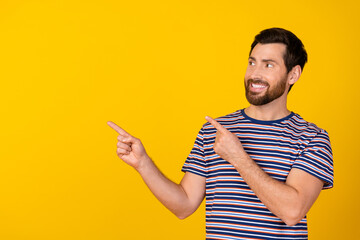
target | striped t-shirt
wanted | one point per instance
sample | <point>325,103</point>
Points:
<point>233,211</point>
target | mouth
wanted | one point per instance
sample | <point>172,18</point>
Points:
<point>257,86</point>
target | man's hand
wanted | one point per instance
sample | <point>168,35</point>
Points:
<point>129,148</point>
<point>181,199</point>
<point>227,145</point>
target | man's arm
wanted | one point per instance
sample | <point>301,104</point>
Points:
<point>181,199</point>
<point>290,201</point>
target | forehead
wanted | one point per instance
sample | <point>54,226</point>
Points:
<point>274,51</point>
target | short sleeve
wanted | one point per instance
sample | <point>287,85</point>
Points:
<point>317,159</point>
<point>195,162</point>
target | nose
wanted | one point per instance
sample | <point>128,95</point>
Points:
<point>254,72</point>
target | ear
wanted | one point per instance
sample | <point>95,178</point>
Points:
<point>294,75</point>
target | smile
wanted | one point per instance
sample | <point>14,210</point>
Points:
<point>258,86</point>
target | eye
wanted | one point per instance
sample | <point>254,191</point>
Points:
<point>251,63</point>
<point>269,65</point>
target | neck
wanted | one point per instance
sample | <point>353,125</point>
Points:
<point>274,110</point>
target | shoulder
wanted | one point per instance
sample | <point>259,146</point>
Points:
<point>298,122</point>
<point>309,129</point>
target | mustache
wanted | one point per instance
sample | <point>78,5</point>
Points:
<point>257,81</point>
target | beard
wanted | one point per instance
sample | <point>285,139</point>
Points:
<point>272,92</point>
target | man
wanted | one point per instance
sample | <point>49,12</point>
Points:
<point>261,168</point>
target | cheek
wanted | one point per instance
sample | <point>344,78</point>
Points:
<point>275,76</point>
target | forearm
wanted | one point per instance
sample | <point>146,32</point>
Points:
<point>280,198</point>
<point>170,194</point>
<point>181,199</point>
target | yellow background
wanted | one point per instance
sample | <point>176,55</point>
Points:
<point>156,68</point>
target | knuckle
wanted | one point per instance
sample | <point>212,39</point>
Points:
<point>121,151</point>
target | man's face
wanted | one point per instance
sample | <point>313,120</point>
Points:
<point>266,74</point>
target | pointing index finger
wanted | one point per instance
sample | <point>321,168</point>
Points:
<point>217,125</point>
<point>118,129</point>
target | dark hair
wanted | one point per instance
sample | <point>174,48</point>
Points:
<point>295,53</point>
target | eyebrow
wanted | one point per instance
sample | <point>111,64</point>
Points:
<point>264,60</point>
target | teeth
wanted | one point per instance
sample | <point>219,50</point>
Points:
<point>258,86</point>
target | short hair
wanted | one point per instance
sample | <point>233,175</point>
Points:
<point>295,53</point>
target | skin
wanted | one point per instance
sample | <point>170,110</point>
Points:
<point>181,199</point>
<point>290,201</point>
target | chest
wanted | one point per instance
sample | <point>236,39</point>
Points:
<point>274,149</point>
